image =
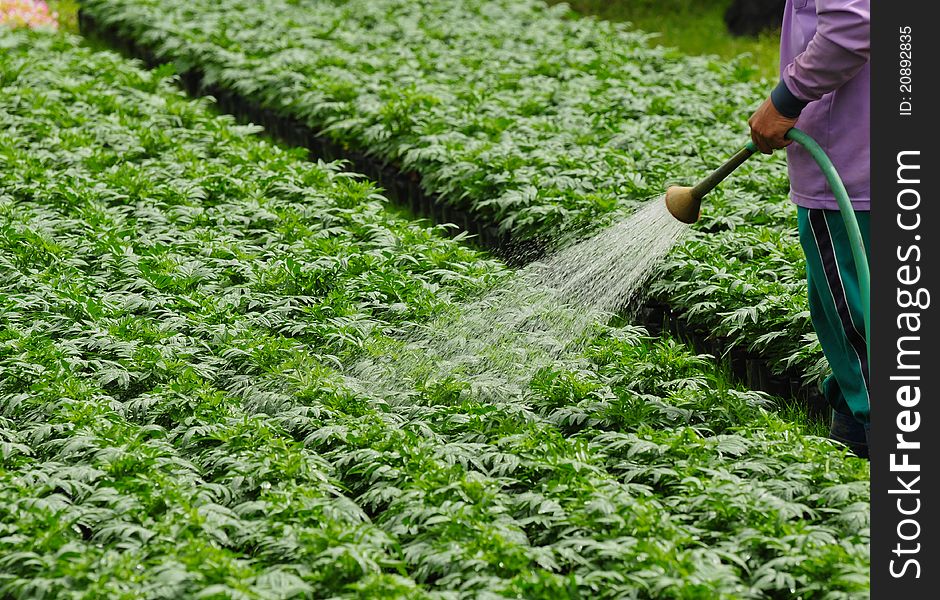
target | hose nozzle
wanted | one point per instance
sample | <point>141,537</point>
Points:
<point>685,203</point>
<point>682,204</point>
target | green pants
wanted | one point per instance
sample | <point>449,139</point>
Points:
<point>835,306</point>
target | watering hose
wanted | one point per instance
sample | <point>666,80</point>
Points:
<point>685,203</point>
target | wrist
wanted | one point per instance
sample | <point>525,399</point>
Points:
<point>786,103</point>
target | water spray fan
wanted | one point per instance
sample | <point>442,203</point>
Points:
<point>685,203</point>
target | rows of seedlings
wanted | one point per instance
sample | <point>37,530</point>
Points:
<point>749,366</point>
<point>181,302</point>
<point>523,119</point>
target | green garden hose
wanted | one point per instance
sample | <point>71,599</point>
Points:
<point>848,217</point>
<point>685,204</point>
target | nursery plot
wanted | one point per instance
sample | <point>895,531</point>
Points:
<point>179,304</point>
<point>522,117</point>
<point>544,312</point>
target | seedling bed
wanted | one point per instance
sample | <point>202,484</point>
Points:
<point>183,302</point>
<point>751,369</point>
<point>404,188</point>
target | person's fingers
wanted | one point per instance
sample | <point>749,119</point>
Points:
<point>786,126</point>
<point>763,144</point>
<point>777,141</point>
<point>758,141</point>
<point>766,141</point>
<point>780,140</point>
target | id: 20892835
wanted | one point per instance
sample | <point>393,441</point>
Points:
<point>905,70</point>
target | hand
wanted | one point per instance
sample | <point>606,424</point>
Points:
<point>768,128</point>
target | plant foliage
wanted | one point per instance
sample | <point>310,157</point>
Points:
<point>525,118</point>
<point>178,301</point>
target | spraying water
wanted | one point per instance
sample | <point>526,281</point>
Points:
<point>541,313</point>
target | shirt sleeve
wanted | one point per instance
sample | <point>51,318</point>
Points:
<point>835,54</point>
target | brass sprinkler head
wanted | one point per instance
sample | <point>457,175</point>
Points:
<point>683,204</point>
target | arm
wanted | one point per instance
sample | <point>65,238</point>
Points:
<point>839,49</point>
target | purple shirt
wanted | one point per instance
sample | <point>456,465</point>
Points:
<point>824,51</point>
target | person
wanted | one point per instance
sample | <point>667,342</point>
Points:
<point>824,89</point>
